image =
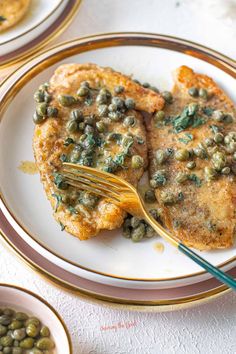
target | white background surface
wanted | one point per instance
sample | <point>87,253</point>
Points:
<point>206,329</point>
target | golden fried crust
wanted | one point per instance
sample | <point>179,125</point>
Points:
<point>12,11</point>
<point>215,201</point>
<point>48,142</point>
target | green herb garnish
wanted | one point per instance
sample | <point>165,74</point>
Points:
<point>215,128</point>
<point>188,118</point>
<point>68,141</point>
<point>58,199</point>
<point>188,137</point>
<point>208,111</point>
<point>195,179</point>
<point>72,210</point>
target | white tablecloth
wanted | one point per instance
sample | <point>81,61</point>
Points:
<point>206,329</point>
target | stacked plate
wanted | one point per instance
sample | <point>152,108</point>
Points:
<point>108,267</point>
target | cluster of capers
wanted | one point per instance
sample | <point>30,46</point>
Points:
<point>136,229</point>
<point>20,334</point>
<point>43,110</point>
<point>198,92</point>
<point>220,116</point>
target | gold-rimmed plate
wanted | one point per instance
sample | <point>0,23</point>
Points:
<point>108,258</point>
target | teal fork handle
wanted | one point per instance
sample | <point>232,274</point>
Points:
<point>216,272</point>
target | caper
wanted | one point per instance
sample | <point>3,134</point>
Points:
<point>16,343</point>
<point>146,85</point>
<point>225,170</point>
<point>234,156</point>
<point>37,119</point>
<point>19,334</point>
<point>167,198</point>
<point>75,155</point>
<point>47,97</point>
<point>115,116</point>
<point>102,110</point>
<point>191,165</point>
<point>209,141</point>
<point>138,233</point>
<point>45,332</point>
<point>17,350</point>
<point>101,126</point>
<point>3,330</point>
<point>16,324</point>
<point>76,114</point>
<point>118,102</point>
<point>193,91</point>
<point>71,126</point>
<point>45,344</point>
<point>52,112</point>
<point>218,116</point>
<point>81,126</point>
<point>228,118</point>
<point>5,320</point>
<point>182,155</point>
<point>44,86</point>
<point>101,99</point>
<point>150,196</point>
<point>159,116</point>
<point>27,343</point>
<point>181,177</point>
<point>192,108</point>
<point>158,179</point>
<point>160,156</point>
<point>126,229</point>
<point>137,161</point>
<point>200,152</point>
<point>105,92</point>
<point>39,96</point>
<point>155,213</point>
<point>7,350</point>
<point>66,100</point>
<point>129,121</point>
<point>232,135</point>
<point>88,200</point>
<point>85,84</point>
<point>203,93</point>
<point>218,138</point>
<point>32,320</point>
<point>232,147</point>
<point>32,330</point>
<point>155,89</point>
<point>130,103</point>
<point>36,351</point>
<point>134,222</point>
<point>88,129</point>
<point>219,160</point>
<point>6,341</point>
<point>83,91</point>
<point>119,89</point>
<point>149,232</point>
<point>41,109</point>
<point>112,107</point>
<point>210,173</point>
<point>168,97</point>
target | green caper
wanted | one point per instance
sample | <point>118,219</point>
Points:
<point>191,165</point>
<point>76,114</point>
<point>118,102</point>
<point>81,126</point>
<point>16,343</point>
<point>209,141</point>
<point>45,332</point>
<point>32,320</point>
<point>192,108</point>
<point>228,118</point>
<point>36,351</point>
<point>8,312</point>
<point>102,110</point>
<point>32,330</point>
<point>44,86</point>
<point>155,89</point>
<point>231,147</point>
<point>232,135</point>
<point>71,126</point>
<point>47,97</point>
<point>219,160</point>
<point>210,173</point>
<point>66,100</point>
<point>158,179</point>
<point>160,156</point>
<point>112,107</point>
<point>193,91</point>
<point>101,126</point>
<point>200,152</point>
<point>226,170</point>
<point>17,350</point>
<point>218,138</point>
<point>182,155</point>
<point>234,156</point>
<point>45,344</point>
<point>52,112</point>
<point>16,324</point>
<point>129,121</point>
<point>138,233</point>
<point>119,89</point>
<point>137,161</point>
<point>19,334</point>
<point>126,229</point>
<point>41,109</point>
<point>130,103</point>
<point>218,116</point>
<point>149,232</point>
<point>7,350</point>
<point>181,177</point>
<point>85,84</point>
<point>6,341</point>
<point>167,197</point>
<point>39,96</point>
<point>83,91</point>
<point>5,320</point>
<point>101,99</point>
<point>134,222</point>
<point>90,119</point>
<point>37,119</point>
<point>3,330</point>
<point>150,196</point>
<point>203,93</point>
<point>146,85</point>
<point>168,97</point>
<point>27,343</point>
<point>155,213</point>
<point>127,141</point>
<point>115,116</point>
<point>159,117</point>
<point>88,200</point>
<point>105,92</point>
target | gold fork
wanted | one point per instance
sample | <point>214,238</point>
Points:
<point>123,194</point>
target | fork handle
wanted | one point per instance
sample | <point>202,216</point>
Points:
<point>216,272</point>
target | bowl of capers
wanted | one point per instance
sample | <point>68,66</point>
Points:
<point>29,325</point>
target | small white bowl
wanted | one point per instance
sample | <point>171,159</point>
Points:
<point>24,300</point>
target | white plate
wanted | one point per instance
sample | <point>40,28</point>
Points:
<point>24,300</point>
<point>108,258</point>
<point>41,14</point>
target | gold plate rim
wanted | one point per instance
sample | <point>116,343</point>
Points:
<point>50,56</point>
<point>46,303</point>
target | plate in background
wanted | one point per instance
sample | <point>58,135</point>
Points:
<point>108,258</point>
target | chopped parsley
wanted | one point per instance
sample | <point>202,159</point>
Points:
<point>59,181</point>
<point>72,210</point>
<point>186,139</point>
<point>208,111</point>
<point>194,178</point>
<point>215,128</point>
<point>58,199</point>
<point>187,118</point>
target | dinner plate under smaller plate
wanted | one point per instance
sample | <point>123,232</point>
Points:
<point>136,299</point>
